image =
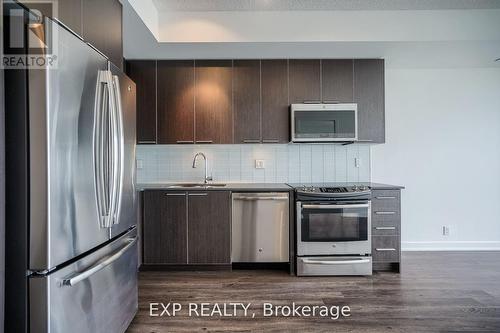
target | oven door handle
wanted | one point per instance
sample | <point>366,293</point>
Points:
<point>328,262</point>
<point>335,206</point>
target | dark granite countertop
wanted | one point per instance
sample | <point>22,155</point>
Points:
<point>280,187</point>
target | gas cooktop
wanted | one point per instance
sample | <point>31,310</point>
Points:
<point>330,188</point>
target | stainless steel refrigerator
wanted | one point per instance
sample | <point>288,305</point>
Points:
<point>71,233</point>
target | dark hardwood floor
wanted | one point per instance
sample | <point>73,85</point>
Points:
<point>436,292</point>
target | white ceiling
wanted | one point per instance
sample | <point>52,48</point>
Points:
<point>285,5</point>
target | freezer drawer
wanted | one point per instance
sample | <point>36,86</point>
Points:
<point>95,294</point>
<point>260,227</point>
<point>330,266</point>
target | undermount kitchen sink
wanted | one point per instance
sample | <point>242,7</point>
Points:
<point>194,185</point>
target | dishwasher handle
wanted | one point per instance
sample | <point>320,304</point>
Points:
<point>260,198</point>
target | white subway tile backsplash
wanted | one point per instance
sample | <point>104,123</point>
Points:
<point>284,163</point>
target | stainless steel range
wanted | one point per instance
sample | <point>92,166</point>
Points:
<point>333,229</point>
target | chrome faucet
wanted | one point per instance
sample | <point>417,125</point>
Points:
<point>207,177</point>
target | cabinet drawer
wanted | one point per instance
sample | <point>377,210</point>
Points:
<point>385,248</point>
<point>387,229</point>
<point>382,217</point>
<point>386,200</point>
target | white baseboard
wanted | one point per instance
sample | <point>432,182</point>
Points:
<point>451,246</point>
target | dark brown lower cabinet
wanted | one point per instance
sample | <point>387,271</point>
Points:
<point>165,228</point>
<point>186,228</point>
<point>209,228</point>
<point>386,229</point>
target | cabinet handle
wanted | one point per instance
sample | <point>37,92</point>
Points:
<point>385,198</point>
<point>197,194</point>
<point>251,141</point>
<point>331,102</point>
<point>385,213</point>
<point>386,249</point>
<point>204,141</point>
<point>385,228</point>
<point>311,102</point>
<point>185,141</point>
<point>148,142</point>
<point>176,194</point>
<point>270,141</point>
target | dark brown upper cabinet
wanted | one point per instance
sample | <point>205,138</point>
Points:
<point>102,27</point>
<point>305,80</point>
<point>247,106</point>
<point>213,101</point>
<point>98,22</point>
<point>209,228</point>
<point>165,228</point>
<point>143,73</point>
<point>69,12</point>
<point>275,105</point>
<point>337,84</point>
<point>369,94</point>
<point>175,101</point>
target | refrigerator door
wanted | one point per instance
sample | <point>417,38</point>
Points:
<point>126,206</point>
<point>64,219</point>
<point>97,293</point>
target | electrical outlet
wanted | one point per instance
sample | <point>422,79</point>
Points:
<point>259,164</point>
<point>357,162</point>
<point>140,164</point>
<point>446,230</point>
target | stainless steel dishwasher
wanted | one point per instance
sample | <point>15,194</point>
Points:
<point>260,231</point>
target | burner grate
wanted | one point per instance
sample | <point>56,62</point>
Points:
<point>334,190</point>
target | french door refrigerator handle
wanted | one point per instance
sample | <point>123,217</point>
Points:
<point>119,141</point>
<point>100,170</point>
<point>113,148</point>
<point>99,265</point>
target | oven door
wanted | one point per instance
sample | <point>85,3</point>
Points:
<point>333,228</point>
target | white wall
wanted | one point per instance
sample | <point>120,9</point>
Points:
<point>443,144</point>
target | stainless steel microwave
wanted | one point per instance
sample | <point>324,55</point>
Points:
<point>324,122</point>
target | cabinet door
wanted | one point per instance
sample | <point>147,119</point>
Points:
<point>275,105</point>
<point>369,94</point>
<point>209,227</point>
<point>143,73</point>
<point>102,27</point>
<point>176,101</point>
<point>247,107</point>
<point>213,101</point>
<point>165,228</point>
<point>304,81</point>
<point>337,80</point>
